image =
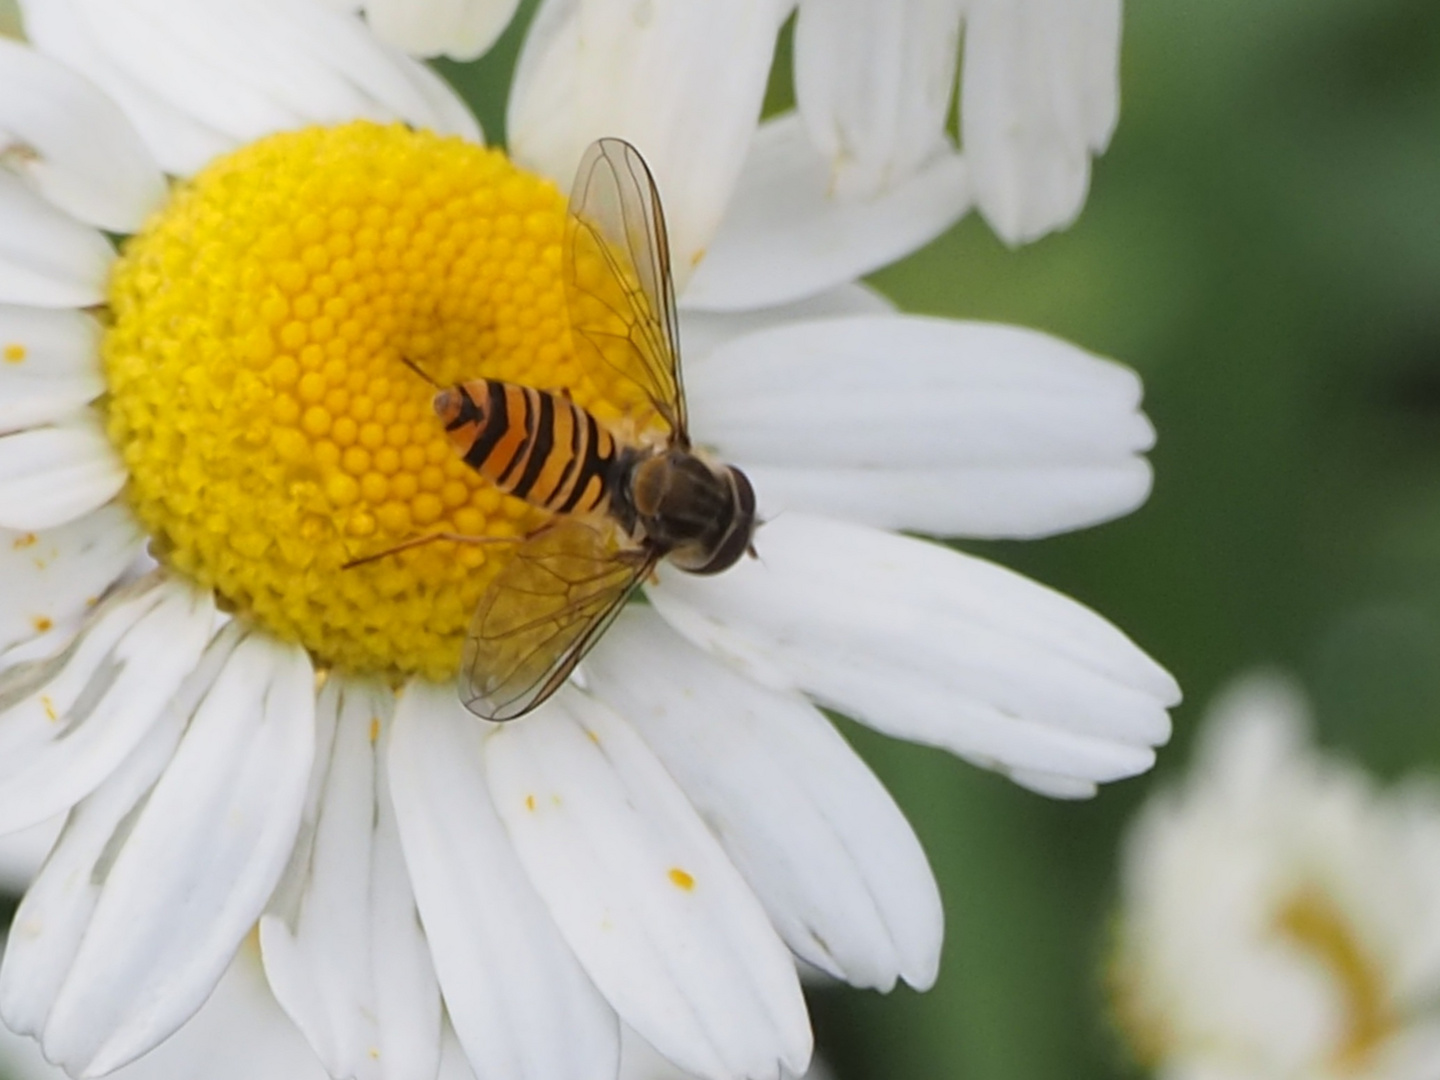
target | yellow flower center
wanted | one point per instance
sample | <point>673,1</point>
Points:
<point>258,394</point>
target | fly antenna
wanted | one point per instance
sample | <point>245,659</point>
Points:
<point>420,371</point>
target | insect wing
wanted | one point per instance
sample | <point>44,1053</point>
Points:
<point>617,278</point>
<point>542,613</point>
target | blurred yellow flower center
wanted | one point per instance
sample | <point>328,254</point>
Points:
<point>1313,922</point>
<point>258,397</point>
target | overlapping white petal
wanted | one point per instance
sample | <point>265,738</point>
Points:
<point>790,233</point>
<point>462,29</point>
<point>53,575</point>
<point>342,941</point>
<point>67,723</point>
<point>49,364</point>
<point>924,643</point>
<point>47,258</point>
<point>818,838</point>
<point>702,332</point>
<point>201,78</point>
<point>72,143</point>
<point>163,870</point>
<point>52,475</point>
<point>939,426</point>
<point>1039,94</point>
<point>649,902</point>
<point>510,982</point>
<point>874,80</point>
<point>682,81</point>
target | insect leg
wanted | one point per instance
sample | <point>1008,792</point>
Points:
<point>429,538</point>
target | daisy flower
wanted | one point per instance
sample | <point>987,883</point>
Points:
<point>203,425</point>
<point>1280,915</point>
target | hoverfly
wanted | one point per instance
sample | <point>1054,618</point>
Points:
<point>620,506</point>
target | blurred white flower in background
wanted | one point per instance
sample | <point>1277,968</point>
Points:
<point>1280,914</point>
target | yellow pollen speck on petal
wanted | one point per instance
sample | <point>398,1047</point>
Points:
<point>258,397</point>
<point>530,803</point>
<point>49,706</point>
<point>680,879</point>
<point>14,353</point>
<point>25,541</point>
<point>374,728</point>
<point>42,624</point>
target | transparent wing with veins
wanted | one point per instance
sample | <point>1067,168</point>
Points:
<point>543,612</point>
<point>618,285</point>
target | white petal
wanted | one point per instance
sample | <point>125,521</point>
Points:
<point>932,425</point>
<point>180,143</point>
<point>342,942</point>
<point>873,83</point>
<point>65,724</point>
<point>463,29</point>
<point>924,643</point>
<point>23,853</point>
<point>51,921</point>
<point>73,143</point>
<point>239,1034</point>
<point>702,332</point>
<point>199,861</point>
<point>789,233</point>
<point>52,475</point>
<point>50,577</point>
<point>201,78</point>
<point>682,81</point>
<point>521,1005</point>
<point>814,833</point>
<point>47,258</point>
<point>1039,94</point>
<point>49,364</point>
<point>651,905</point>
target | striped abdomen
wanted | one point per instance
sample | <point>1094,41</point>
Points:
<point>533,444</point>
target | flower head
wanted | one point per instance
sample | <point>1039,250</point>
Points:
<point>201,430</point>
<point>1281,916</point>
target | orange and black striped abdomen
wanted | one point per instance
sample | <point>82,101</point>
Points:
<point>535,445</point>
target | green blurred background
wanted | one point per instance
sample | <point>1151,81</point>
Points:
<point>1262,242</point>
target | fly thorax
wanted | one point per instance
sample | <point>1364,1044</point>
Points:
<point>702,515</point>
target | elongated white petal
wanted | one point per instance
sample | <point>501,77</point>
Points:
<point>702,332</point>
<point>67,723</point>
<point>52,475</point>
<point>342,941</point>
<point>47,258</point>
<point>180,143</point>
<point>186,880</point>
<point>73,144</point>
<point>789,233</point>
<point>23,853</point>
<point>682,81</point>
<point>201,78</point>
<point>814,833</point>
<point>651,905</point>
<point>934,425</point>
<point>1039,94</point>
<point>924,643</point>
<point>49,364</point>
<point>520,1003</point>
<point>873,83</point>
<point>463,29</point>
<point>50,577</point>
